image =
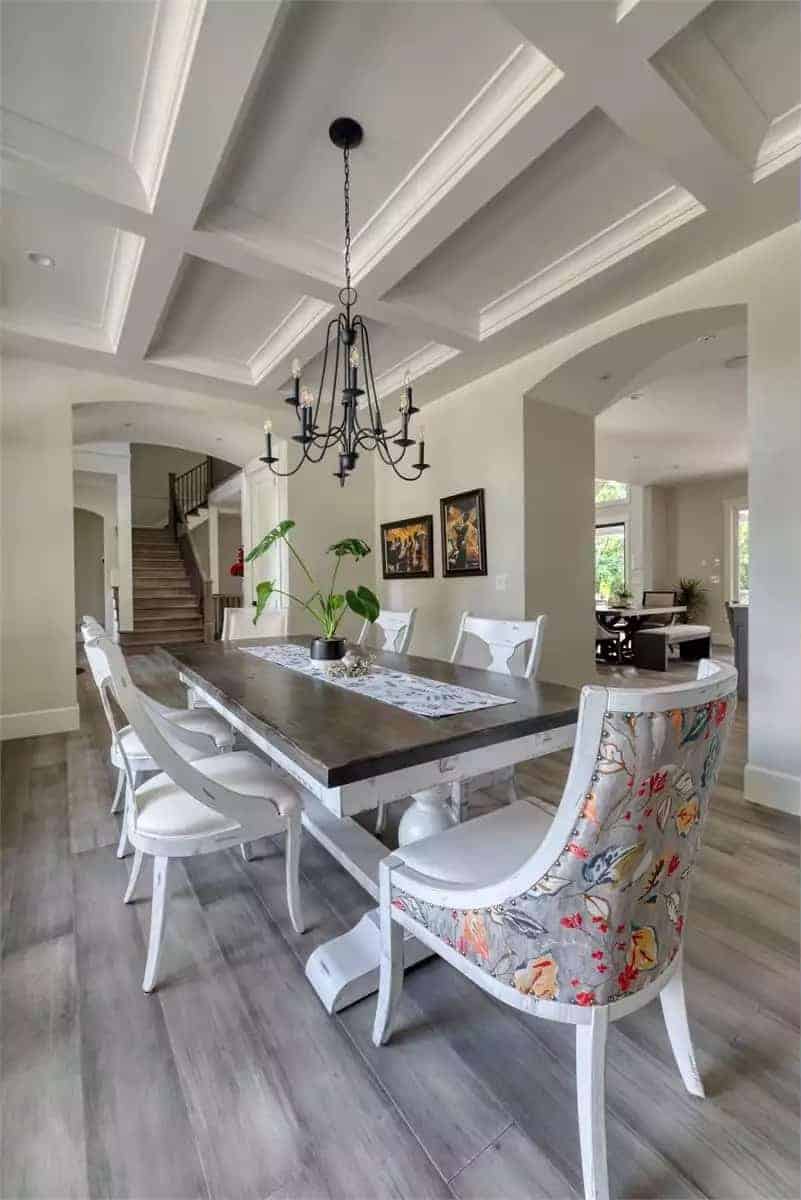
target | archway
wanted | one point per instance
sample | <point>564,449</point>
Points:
<point>89,555</point>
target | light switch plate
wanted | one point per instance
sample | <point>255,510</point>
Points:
<point>501,583</point>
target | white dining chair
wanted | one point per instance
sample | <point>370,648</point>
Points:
<point>578,919</point>
<point>202,730</point>
<point>396,627</point>
<point>238,624</point>
<point>195,805</point>
<point>502,641</point>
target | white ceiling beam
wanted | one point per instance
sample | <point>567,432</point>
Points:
<point>218,51</point>
<point>612,58</point>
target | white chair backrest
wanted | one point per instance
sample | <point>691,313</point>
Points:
<point>238,624</point>
<point>161,743</point>
<point>502,639</point>
<point>609,882</point>
<point>397,628</point>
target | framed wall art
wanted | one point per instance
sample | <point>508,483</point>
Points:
<point>407,548</point>
<point>464,534</point>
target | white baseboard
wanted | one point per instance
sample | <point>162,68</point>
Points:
<point>35,724</point>
<point>773,789</point>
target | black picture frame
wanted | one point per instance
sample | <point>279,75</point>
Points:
<point>393,550</point>
<point>463,562</point>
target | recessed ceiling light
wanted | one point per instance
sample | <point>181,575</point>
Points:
<point>675,466</point>
<point>41,260</point>
<point>636,396</point>
<point>218,439</point>
<point>707,337</point>
<point>605,377</point>
<point>737,360</point>
<point>636,457</point>
<point>128,425</point>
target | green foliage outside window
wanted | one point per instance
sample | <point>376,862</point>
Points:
<point>743,556</point>
<point>610,561</point>
<point>608,491</point>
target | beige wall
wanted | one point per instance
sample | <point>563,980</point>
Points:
<point>89,567</point>
<point>150,475</point>
<point>559,555</point>
<point>474,438</point>
<point>696,544</point>
<point>37,627</point>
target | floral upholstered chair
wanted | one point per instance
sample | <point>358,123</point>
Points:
<point>577,919</point>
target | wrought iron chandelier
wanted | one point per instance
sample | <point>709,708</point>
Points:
<point>359,424</point>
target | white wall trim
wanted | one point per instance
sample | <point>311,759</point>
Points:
<point>36,724</point>
<point>773,789</point>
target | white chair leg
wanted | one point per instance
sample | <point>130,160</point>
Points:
<point>511,787</point>
<point>122,847</point>
<point>118,794</point>
<point>674,1010</point>
<point>380,817</point>
<point>294,832</point>
<point>590,1070</point>
<point>390,967</point>
<point>247,852</point>
<point>459,801</point>
<point>133,878</point>
<point>157,912</point>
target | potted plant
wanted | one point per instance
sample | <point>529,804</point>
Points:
<point>691,593</point>
<point>328,608</point>
<point>623,598</point>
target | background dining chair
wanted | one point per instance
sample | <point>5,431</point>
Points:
<point>658,599</point>
<point>579,919</point>
<point>397,628</point>
<point>502,640</point>
<point>608,641</point>
<point>238,624</point>
<point>198,806</point>
<point>202,730</point>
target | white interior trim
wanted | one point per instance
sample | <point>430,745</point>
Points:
<point>772,789</point>
<point>40,722</point>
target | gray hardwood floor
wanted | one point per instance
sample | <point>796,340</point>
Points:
<point>232,1082</point>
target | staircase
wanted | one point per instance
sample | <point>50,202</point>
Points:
<point>166,610</point>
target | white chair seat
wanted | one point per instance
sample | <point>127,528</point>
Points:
<point>480,851</point>
<point>162,809</point>
<point>204,720</point>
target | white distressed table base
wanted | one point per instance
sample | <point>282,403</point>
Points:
<point>345,969</point>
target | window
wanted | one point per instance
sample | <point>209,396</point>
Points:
<point>610,560</point>
<point>609,491</point>
<point>741,556</point>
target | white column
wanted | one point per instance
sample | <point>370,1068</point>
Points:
<point>773,771</point>
<point>124,547</point>
<point>214,547</point>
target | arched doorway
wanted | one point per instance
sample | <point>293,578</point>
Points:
<point>89,565</point>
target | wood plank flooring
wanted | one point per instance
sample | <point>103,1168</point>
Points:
<point>232,1082</point>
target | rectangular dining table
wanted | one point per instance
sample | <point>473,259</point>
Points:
<point>349,752</point>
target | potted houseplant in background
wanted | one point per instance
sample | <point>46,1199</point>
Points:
<point>623,598</point>
<point>327,608</point>
<point>692,594</point>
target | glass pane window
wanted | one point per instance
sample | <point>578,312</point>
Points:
<point>742,565</point>
<point>609,491</point>
<point>610,560</point>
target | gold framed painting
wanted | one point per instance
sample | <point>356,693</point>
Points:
<point>464,534</point>
<point>407,548</point>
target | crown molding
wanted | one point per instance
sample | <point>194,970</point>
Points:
<point>198,364</point>
<point>781,144</point>
<point>516,87</point>
<point>172,48</point>
<point>125,258</point>
<point>647,223</point>
<point>302,319</point>
<point>419,363</point>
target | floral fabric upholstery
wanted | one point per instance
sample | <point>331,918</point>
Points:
<point>607,916</point>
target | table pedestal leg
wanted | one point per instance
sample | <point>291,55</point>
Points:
<point>431,813</point>
<point>345,969</point>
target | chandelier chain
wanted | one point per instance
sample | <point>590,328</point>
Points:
<point>346,155</point>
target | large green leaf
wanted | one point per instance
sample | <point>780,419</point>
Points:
<point>264,591</point>
<point>270,539</point>
<point>352,546</point>
<point>364,603</point>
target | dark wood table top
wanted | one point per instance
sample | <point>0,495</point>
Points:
<point>339,736</point>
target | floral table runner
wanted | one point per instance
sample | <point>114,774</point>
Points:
<point>414,693</point>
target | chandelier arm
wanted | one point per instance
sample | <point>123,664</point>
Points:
<point>324,441</point>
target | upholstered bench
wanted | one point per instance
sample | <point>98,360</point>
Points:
<point>651,646</point>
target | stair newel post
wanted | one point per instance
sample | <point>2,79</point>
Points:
<point>172,513</point>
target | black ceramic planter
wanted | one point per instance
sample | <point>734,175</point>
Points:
<point>327,649</point>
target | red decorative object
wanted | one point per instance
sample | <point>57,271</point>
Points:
<point>239,566</point>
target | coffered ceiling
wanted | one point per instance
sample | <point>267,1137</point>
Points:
<point>526,168</point>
